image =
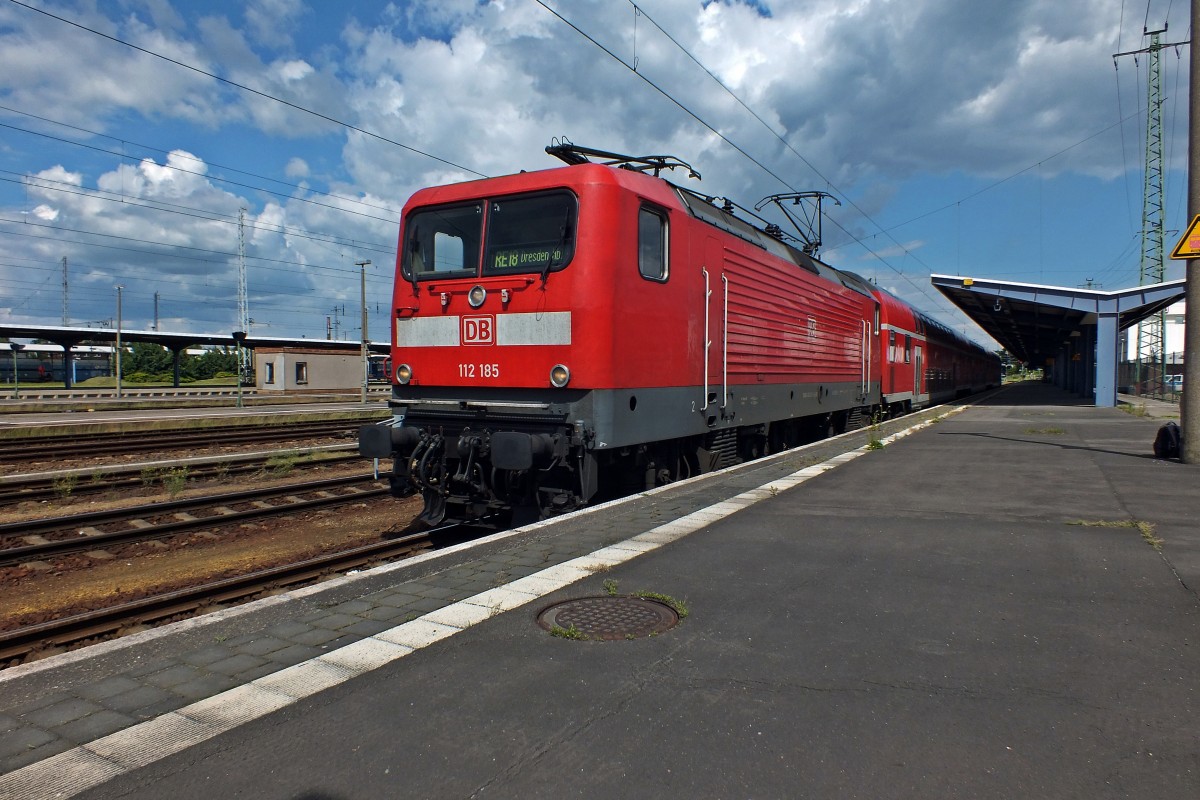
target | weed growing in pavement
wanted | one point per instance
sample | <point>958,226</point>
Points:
<point>875,443</point>
<point>1129,408</point>
<point>282,464</point>
<point>679,606</point>
<point>175,480</point>
<point>98,476</point>
<point>1146,529</point>
<point>65,484</point>
<point>222,470</point>
<point>148,476</point>
<point>1045,431</point>
<point>610,587</point>
<point>570,632</point>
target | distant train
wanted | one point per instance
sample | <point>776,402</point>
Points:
<point>572,333</point>
<point>43,363</point>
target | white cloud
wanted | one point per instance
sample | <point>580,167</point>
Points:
<point>873,93</point>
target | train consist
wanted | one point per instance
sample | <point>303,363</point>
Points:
<point>563,335</point>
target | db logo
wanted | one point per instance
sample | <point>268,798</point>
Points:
<point>479,330</point>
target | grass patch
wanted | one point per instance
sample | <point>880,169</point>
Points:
<point>679,606</point>
<point>1146,529</point>
<point>175,480</point>
<point>282,464</point>
<point>65,484</point>
<point>1129,408</point>
<point>610,587</point>
<point>570,632</point>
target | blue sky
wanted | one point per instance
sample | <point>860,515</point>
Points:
<point>993,139</point>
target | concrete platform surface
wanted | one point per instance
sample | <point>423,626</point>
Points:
<point>1001,604</point>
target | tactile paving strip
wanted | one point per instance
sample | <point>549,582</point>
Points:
<point>610,618</point>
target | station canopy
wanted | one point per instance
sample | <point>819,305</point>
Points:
<point>1034,322</point>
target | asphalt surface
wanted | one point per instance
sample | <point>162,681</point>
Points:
<point>1003,604</point>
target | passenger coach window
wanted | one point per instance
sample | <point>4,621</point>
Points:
<point>652,244</point>
<point>530,234</point>
<point>443,242</point>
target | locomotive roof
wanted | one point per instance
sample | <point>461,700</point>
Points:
<point>656,188</point>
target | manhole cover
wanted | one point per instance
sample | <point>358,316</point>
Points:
<point>609,618</point>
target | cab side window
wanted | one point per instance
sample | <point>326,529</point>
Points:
<point>653,252</point>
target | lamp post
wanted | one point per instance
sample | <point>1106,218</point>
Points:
<point>366,370</point>
<point>118,369</point>
<point>16,382</point>
<point>238,338</point>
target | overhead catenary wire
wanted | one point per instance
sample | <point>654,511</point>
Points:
<point>215,178</point>
<point>937,301</point>
<point>245,88</point>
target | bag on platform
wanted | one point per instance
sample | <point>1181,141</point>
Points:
<point>1166,443</point>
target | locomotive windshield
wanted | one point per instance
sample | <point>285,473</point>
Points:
<point>443,242</point>
<point>524,234</point>
<point>530,234</point>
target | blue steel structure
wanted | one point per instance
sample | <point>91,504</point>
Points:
<point>1071,333</point>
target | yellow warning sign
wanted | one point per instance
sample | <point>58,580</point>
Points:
<point>1189,243</point>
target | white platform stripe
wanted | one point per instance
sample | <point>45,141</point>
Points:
<point>89,765</point>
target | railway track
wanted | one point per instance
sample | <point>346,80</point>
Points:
<point>41,448</point>
<point>22,542</point>
<point>17,645</point>
<point>22,489</point>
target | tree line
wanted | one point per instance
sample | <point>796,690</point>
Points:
<point>144,362</point>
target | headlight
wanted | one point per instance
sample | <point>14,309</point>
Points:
<point>476,296</point>
<point>403,374</point>
<point>560,375</point>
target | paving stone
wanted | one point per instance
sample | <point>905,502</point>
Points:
<point>316,636</point>
<point>236,642</point>
<point>335,621</point>
<point>107,687</point>
<point>287,630</point>
<point>204,686</point>
<point>24,739</point>
<point>51,717</point>
<point>430,591</point>
<point>172,676</point>
<point>351,607</point>
<point>236,665</point>
<point>93,726</point>
<point>393,599</point>
<point>137,700</point>
<point>40,701</point>
<point>367,627</point>
<point>295,654</point>
<point>8,723</point>
<point>384,613</point>
<point>341,641</point>
<point>426,604</point>
<point>265,668</point>
<point>139,667</point>
<point>34,755</point>
<point>207,655</point>
<point>263,646</point>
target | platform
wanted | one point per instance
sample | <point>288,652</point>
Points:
<point>1001,603</point>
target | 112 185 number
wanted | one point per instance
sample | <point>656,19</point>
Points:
<point>479,370</point>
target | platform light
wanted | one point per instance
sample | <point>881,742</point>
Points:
<point>403,374</point>
<point>476,296</point>
<point>560,376</point>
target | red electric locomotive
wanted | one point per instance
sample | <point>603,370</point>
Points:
<point>595,328</point>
